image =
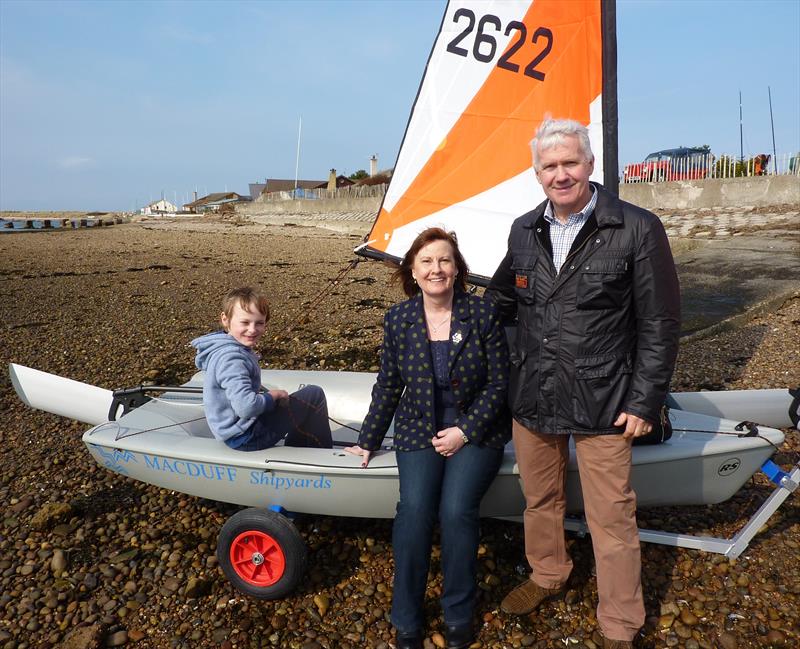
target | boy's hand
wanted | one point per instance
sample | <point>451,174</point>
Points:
<point>280,397</point>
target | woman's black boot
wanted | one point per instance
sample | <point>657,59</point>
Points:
<point>409,640</point>
<point>459,636</point>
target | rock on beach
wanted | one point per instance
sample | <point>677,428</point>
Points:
<point>89,558</point>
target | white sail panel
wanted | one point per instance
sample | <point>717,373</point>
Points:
<point>450,84</point>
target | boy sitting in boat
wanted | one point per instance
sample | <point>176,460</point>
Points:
<point>239,411</point>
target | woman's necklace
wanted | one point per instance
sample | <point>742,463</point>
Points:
<point>434,328</point>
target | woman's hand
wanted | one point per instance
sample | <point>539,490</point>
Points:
<point>364,453</point>
<point>448,441</point>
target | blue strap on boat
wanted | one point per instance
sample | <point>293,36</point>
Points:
<point>283,512</point>
<point>776,475</point>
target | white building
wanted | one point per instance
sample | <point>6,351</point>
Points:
<point>160,206</point>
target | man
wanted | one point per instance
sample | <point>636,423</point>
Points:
<point>593,285</point>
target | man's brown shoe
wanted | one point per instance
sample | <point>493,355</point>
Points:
<point>527,597</point>
<point>617,644</point>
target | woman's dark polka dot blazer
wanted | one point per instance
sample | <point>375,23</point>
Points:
<point>405,385</point>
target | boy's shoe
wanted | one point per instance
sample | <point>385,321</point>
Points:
<point>527,597</point>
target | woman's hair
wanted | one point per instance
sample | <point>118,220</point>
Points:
<point>247,298</point>
<point>403,273</point>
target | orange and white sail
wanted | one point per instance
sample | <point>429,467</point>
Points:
<point>497,68</point>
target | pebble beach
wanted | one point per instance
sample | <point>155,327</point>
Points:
<point>91,559</point>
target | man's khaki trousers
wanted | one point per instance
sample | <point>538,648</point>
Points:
<point>604,463</point>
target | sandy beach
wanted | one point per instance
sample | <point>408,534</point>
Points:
<point>92,559</point>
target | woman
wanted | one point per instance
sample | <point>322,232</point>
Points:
<point>443,376</point>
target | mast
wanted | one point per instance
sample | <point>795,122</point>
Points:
<point>741,138</point>
<point>297,160</point>
<point>610,104</point>
<point>772,124</point>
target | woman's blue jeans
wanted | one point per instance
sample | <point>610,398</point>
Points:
<point>450,489</point>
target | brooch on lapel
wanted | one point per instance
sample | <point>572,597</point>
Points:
<point>456,337</point>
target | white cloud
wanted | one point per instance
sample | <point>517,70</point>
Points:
<point>184,35</point>
<point>75,162</point>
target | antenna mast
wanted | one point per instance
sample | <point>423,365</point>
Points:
<point>741,139</point>
<point>297,162</point>
<point>772,124</point>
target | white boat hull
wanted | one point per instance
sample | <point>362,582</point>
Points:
<point>773,408</point>
<point>167,443</point>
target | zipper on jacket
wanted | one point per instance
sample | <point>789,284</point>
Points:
<point>577,250</point>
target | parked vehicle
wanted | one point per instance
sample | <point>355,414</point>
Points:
<point>683,163</point>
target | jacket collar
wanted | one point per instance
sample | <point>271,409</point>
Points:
<point>459,326</point>
<point>607,212</point>
<point>414,317</point>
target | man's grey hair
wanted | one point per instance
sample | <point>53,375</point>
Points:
<point>552,132</point>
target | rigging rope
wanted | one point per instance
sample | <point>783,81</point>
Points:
<point>752,432</point>
<point>177,402</point>
<point>323,294</point>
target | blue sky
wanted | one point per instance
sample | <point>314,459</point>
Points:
<point>105,104</point>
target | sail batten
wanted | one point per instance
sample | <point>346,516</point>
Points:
<point>495,71</point>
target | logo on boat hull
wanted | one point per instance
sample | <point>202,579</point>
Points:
<point>729,466</point>
<point>115,458</point>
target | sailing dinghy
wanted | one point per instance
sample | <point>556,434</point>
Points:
<point>165,441</point>
<point>495,70</point>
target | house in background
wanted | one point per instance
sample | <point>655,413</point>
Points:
<point>160,206</point>
<point>256,189</point>
<point>284,185</point>
<point>288,186</point>
<point>215,202</point>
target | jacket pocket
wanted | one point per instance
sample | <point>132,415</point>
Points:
<point>600,386</point>
<point>521,385</point>
<point>603,284</point>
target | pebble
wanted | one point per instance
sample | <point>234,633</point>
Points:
<point>322,602</point>
<point>58,563</point>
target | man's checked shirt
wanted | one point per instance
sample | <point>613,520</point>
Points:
<point>562,236</point>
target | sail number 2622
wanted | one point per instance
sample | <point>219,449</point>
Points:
<point>484,46</point>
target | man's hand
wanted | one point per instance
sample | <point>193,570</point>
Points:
<point>634,426</point>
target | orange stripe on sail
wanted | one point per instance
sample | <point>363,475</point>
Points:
<point>489,142</point>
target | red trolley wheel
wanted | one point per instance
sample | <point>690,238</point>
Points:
<point>261,553</point>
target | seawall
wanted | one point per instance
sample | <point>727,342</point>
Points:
<point>311,208</point>
<point>760,191</point>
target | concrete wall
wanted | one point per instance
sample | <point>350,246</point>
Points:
<point>310,207</point>
<point>758,191</point>
<point>687,194</point>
